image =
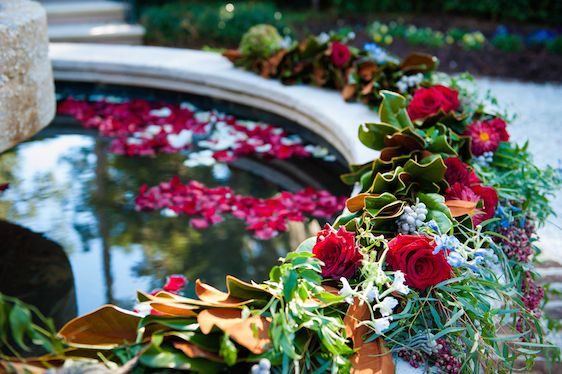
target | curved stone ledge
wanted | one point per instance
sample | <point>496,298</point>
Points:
<point>27,99</point>
<point>209,74</point>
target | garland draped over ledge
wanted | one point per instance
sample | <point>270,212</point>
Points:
<point>431,262</point>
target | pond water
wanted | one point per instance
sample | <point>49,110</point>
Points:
<point>66,184</point>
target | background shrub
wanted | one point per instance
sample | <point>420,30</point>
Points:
<point>508,42</point>
<point>196,24</point>
<point>555,45</point>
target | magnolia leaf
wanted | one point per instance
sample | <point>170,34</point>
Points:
<point>372,358</point>
<point>367,70</point>
<point>378,201</point>
<point>443,222</point>
<point>245,291</point>
<point>373,135</point>
<point>357,171</point>
<point>437,210</point>
<point>104,328</point>
<point>356,313</point>
<point>357,202</point>
<point>392,110</point>
<point>348,92</point>
<point>394,181</point>
<point>175,309</point>
<point>232,54</point>
<point>193,351</point>
<point>166,357</point>
<point>167,298</point>
<point>367,89</point>
<point>419,63</point>
<point>461,207</point>
<point>240,330</point>
<point>212,295</point>
<point>307,245</point>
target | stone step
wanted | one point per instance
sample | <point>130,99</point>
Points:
<point>550,274</point>
<point>114,33</point>
<point>85,12</point>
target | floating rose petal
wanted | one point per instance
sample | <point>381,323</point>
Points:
<point>266,218</point>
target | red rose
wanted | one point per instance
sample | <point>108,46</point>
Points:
<point>450,98</point>
<point>340,54</point>
<point>175,283</point>
<point>337,250</point>
<point>413,255</point>
<point>430,101</point>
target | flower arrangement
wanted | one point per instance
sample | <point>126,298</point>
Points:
<point>430,265</point>
<point>327,60</point>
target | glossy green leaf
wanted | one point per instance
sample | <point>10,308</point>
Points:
<point>393,110</point>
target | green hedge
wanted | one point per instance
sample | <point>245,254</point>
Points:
<point>549,11</point>
<point>197,23</point>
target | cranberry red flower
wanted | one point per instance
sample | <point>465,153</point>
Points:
<point>338,252</point>
<point>487,135</point>
<point>413,255</point>
<point>465,185</point>
<point>430,101</point>
<point>340,54</point>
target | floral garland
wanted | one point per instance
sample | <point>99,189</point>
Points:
<point>327,60</point>
<point>431,263</point>
<point>265,218</point>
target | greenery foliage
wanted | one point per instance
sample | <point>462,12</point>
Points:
<point>175,23</point>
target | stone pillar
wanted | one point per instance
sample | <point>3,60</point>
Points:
<point>27,97</point>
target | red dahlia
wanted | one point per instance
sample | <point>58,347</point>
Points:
<point>487,135</point>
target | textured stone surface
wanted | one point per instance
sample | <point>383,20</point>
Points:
<point>27,101</point>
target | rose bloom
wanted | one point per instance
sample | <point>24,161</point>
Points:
<point>430,101</point>
<point>338,252</point>
<point>175,283</point>
<point>340,54</point>
<point>413,255</point>
<point>487,135</point>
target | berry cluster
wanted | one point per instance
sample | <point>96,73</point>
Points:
<point>518,243</point>
<point>444,358</point>
<point>533,294</point>
<point>412,218</point>
<point>484,159</point>
<point>263,367</point>
<point>416,359</point>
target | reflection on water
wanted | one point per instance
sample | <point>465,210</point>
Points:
<point>69,187</point>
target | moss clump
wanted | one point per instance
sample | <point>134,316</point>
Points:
<point>260,41</point>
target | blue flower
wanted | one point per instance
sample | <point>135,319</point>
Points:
<point>433,225</point>
<point>445,243</point>
<point>455,259</point>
